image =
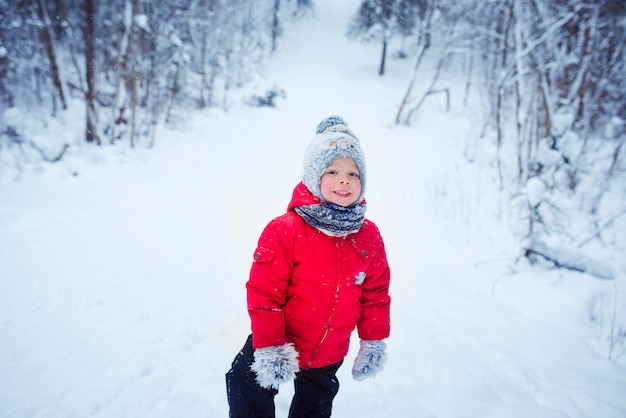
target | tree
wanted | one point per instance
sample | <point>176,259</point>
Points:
<point>6,97</point>
<point>91,129</point>
<point>302,6</point>
<point>551,74</point>
<point>46,38</point>
<point>135,64</point>
<point>380,20</point>
<point>276,29</point>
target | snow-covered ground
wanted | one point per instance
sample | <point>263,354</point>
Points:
<point>122,272</point>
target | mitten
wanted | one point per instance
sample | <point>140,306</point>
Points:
<point>370,359</point>
<point>275,365</point>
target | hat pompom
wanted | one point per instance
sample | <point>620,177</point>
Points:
<point>328,123</point>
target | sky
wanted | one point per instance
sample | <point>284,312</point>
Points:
<point>122,272</point>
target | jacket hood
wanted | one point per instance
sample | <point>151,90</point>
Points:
<point>302,196</point>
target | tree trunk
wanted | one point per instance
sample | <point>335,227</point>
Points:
<point>500,93</point>
<point>91,132</point>
<point>423,44</point>
<point>381,70</point>
<point>204,47</point>
<point>468,81</point>
<point>442,59</point>
<point>275,24</point>
<point>46,38</point>
<point>5,93</point>
<point>121,74</point>
<point>416,63</point>
<point>519,86</point>
<point>134,91</point>
<point>70,39</point>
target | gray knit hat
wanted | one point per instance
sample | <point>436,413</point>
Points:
<point>333,140</point>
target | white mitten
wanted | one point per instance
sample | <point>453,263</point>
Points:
<point>370,359</point>
<point>275,365</point>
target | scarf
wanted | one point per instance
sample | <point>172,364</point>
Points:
<point>333,220</point>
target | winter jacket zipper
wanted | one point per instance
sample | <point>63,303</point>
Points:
<point>340,242</point>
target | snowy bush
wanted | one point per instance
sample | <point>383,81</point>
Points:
<point>567,203</point>
<point>266,98</point>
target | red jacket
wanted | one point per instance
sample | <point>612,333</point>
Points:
<point>312,289</point>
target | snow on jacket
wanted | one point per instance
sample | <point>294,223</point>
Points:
<point>312,289</point>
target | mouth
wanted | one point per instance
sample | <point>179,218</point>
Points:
<point>342,193</point>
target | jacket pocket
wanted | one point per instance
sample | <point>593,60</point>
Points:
<point>360,264</point>
<point>262,265</point>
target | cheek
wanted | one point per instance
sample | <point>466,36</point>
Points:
<point>325,184</point>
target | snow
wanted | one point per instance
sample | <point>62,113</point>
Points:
<point>535,191</point>
<point>141,21</point>
<point>122,271</point>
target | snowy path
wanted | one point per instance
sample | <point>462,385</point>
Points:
<point>122,289</point>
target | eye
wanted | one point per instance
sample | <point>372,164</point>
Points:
<point>333,172</point>
<point>354,174</point>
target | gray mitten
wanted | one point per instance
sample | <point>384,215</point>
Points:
<point>370,359</point>
<point>275,365</point>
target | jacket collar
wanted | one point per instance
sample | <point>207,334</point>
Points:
<point>302,196</point>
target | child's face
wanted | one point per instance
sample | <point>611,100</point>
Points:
<point>340,184</point>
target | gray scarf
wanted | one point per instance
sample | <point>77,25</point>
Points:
<point>333,220</point>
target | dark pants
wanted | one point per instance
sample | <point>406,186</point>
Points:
<point>315,390</point>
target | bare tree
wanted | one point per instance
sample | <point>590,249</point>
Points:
<point>380,20</point>
<point>91,131</point>
<point>134,63</point>
<point>46,38</point>
<point>551,72</point>
<point>275,24</point>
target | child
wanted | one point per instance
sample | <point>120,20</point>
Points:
<point>319,271</point>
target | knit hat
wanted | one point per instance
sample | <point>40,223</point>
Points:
<point>333,140</point>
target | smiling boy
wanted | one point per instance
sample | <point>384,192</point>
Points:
<point>319,271</point>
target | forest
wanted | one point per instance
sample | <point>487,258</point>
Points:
<point>551,74</point>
